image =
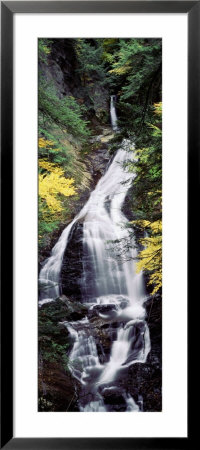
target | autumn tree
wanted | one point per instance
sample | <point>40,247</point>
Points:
<point>147,202</point>
<point>62,134</point>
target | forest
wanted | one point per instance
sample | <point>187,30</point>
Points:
<point>100,110</point>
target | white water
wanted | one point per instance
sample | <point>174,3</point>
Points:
<point>113,114</point>
<point>117,292</point>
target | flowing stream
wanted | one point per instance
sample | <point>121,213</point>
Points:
<point>113,115</point>
<point>115,295</point>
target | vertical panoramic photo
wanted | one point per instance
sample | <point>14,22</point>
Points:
<point>100,225</point>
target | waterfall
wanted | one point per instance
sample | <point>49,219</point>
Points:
<point>113,114</point>
<point>116,294</point>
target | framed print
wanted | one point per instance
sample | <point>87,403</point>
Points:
<point>100,108</point>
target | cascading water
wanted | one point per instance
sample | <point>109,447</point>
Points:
<point>113,114</point>
<point>116,293</point>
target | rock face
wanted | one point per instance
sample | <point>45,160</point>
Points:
<point>56,386</point>
<point>56,389</point>
<point>114,397</point>
<point>72,266</point>
<point>62,72</point>
<point>145,380</point>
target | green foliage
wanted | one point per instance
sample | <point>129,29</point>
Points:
<point>92,80</point>
<point>90,62</point>
<point>135,74</point>
<point>147,202</point>
<point>148,169</point>
<point>138,60</point>
<point>53,340</point>
<point>63,134</point>
<point>44,50</point>
<point>46,225</point>
<point>64,112</point>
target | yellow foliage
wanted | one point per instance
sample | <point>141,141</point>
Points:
<point>141,223</point>
<point>157,191</point>
<point>150,258</point>
<point>158,108</point>
<point>121,70</point>
<point>108,57</point>
<point>43,143</point>
<point>46,49</point>
<point>156,226</point>
<point>50,167</point>
<point>53,183</point>
<point>47,144</point>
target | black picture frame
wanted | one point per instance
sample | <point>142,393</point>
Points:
<point>8,9</point>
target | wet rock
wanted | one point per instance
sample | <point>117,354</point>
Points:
<point>72,265</point>
<point>114,399</point>
<point>56,389</point>
<point>75,310</point>
<point>98,159</point>
<point>103,309</point>
<point>146,379</point>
